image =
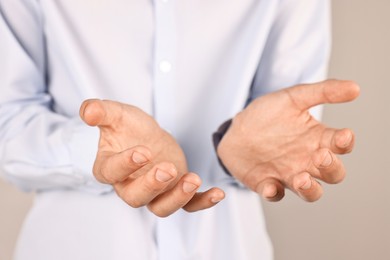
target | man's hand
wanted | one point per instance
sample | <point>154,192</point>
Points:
<point>143,162</point>
<point>275,143</point>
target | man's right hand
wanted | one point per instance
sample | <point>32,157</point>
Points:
<point>143,162</point>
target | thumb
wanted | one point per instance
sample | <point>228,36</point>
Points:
<point>328,91</point>
<point>97,112</point>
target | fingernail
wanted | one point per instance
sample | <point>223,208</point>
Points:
<point>306,185</point>
<point>163,176</point>
<point>217,197</point>
<point>189,187</point>
<point>348,140</point>
<point>327,160</point>
<point>215,200</point>
<point>139,158</point>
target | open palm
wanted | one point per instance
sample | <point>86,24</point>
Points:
<point>143,162</point>
<point>275,143</point>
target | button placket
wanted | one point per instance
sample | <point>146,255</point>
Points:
<point>164,63</point>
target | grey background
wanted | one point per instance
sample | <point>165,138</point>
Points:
<point>352,220</point>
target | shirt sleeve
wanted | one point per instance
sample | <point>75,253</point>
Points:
<point>39,148</point>
<point>297,49</point>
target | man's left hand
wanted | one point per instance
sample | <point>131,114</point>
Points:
<point>275,143</point>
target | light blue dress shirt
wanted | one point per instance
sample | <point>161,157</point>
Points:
<point>191,64</point>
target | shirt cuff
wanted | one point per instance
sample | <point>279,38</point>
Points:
<point>83,149</point>
<point>217,137</point>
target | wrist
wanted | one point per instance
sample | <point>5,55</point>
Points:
<point>232,146</point>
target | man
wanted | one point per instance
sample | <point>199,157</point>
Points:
<point>169,73</point>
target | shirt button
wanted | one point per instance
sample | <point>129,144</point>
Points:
<point>165,66</point>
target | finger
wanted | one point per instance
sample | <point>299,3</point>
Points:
<point>260,179</point>
<point>174,199</point>
<point>97,112</point>
<point>306,187</point>
<point>255,177</point>
<point>339,141</point>
<point>328,91</point>
<point>205,200</point>
<point>113,168</point>
<point>271,189</point>
<point>330,169</point>
<point>140,191</point>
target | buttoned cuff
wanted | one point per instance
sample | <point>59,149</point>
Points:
<point>217,137</point>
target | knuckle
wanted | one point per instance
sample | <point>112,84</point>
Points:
<point>108,178</point>
<point>127,194</point>
<point>133,201</point>
<point>99,177</point>
<point>169,166</point>
<point>151,187</point>
<point>103,174</point>
<point>251,180</point>
<point>128,164</point>
<point>102,177</point>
